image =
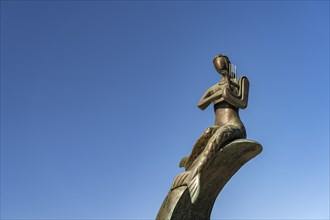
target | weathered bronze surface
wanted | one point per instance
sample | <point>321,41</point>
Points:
<point>217,154</point>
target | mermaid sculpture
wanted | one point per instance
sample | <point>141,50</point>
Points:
<point>227,96</point>
<point>217,154</point>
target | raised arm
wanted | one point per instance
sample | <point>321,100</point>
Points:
<point>208,97</point>
<point>241,100</point>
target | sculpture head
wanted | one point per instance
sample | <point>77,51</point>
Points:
<point>221,64</point>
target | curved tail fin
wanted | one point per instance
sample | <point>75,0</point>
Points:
<point>194,187</point>
<point>180,180</point>
<point>183,162</point>
<point>183,179</point>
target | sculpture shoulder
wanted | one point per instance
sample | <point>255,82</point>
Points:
<point>244,78</point>
<point>238,82</point>
<point>215,87</point>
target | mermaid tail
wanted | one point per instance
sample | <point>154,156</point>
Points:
<point>196,163</point>
<point>198,147</point>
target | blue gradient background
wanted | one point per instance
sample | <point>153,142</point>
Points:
<point>98,105</point>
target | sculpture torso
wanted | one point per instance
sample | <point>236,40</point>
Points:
<point>225,113</point>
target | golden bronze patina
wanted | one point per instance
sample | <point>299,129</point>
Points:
<point>217,154</point>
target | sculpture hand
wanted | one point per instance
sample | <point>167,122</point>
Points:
<point>225,90</point>
<point>237,101</point>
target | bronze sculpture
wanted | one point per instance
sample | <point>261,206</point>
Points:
<point>217,154</point>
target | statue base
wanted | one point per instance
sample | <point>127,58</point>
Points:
<point>178,204</point>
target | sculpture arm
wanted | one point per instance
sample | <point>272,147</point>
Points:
<point>241,100</point>
<point>208,98</point>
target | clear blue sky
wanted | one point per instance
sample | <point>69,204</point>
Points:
<point>98,105</point>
